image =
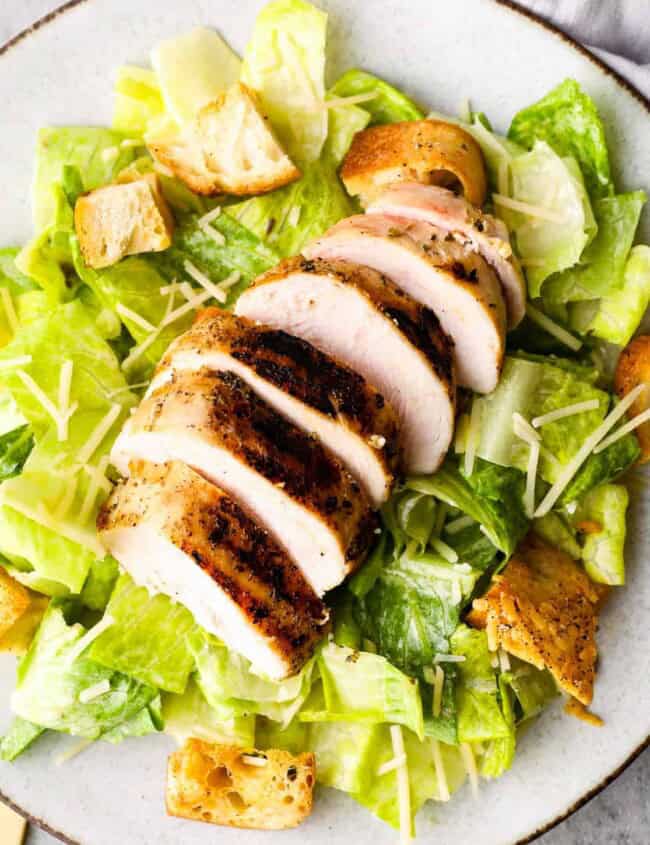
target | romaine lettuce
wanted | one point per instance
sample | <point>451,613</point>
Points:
<point>15,447</point>
<point>147,638</point>
<point>388,105</point>
<point>20,735</point>
<point>602,467</point>
<point>567,119</point>
<point>138,101</point>
<point>533,688</point>
<point>189,715</point>
<point>603,550</point>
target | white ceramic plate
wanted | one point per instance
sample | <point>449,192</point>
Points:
<point>61,73</point>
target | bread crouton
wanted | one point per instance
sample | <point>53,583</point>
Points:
<point>123,219</point>
<point>226,785</point>
<point>428,151</point>
<point>14,601</point>
<point>543,609</point>
<point>228,148</point>
<point>18,638</point>
<point>633,369</point>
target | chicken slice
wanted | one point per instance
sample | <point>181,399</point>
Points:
<point>229,147</point>
<point>358,316</point>
<point>429,151</point>
<point>543,609</point>
<point>283,477</point>
<point>312,390</point>
<point>482,232</point>
<point>432,268</point>
<point>178,534</point>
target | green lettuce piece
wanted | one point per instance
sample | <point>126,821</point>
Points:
<point>533,688</point>
<point>144,722</point>
<point>137,100</point>
<point>192,69</point>
<point>345,754</point>
<point>321,202</point>
<point>82,147</point>
<point>471,545</point>
<point>603,551</point>
<point>147,639</point>
<point>603,467</point>
<point>500,752</point>
<point>99,585</point>
<point>15,447</point>
<point>483,713</point>
<point>189,715</point>
<point>293,738</point>
<point>602,268</point>
<point>346,628</point>
<point>542,178</point>
<point>20,735</point>
<point>17,284</point>
<point>556,529</point>
<point>532,388</point>
<point>51,678</point>
<point>504,524</point>
<point>620,312</point>
<point>364,687</point>
<point>285,63</point>
<point>344,123</point>
<point>231,687</point>
<point>568,120</point>
<point>389,105</point>
<point>10,416</point>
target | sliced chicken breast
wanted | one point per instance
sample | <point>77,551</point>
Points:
<point>284,478</point>
<point>432,268</point>
<point>312,390</point>
<point>180,535</point>
<point>361,318</point>
<point>482,232</point>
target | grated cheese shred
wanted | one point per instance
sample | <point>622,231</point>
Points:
<point>254,760</point>
<point>95,691</point>
<point>72,751</point>
<point>567,411</point>
<point>470,766</point>
<point>459,524</point>
<point>89,637</point>
<point>528,209</point>
<point>553,328</point>
<point>403,788</point>
<point>438,686</point>
<point>635,422</point>
<point>473,436</point>
<point>531,478</point>
<point>449,554</point>
<point>98,434</point>
<point>441,775</point>
<point>136,318</point>
<point>18,361</point>
<point>10,311</point>
<point>391,765</point>
<point>206,283</point>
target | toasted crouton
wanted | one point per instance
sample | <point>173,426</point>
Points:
<point>18,638</point>
<point>543,609</point>
<point>226,785</point>
<point>228,148</point>
<point>123,219</point>
<point>14,601</point>
<point>633,369</point>
<point>426,151</point>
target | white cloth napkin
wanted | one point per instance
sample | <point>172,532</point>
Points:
<point>618,31</point>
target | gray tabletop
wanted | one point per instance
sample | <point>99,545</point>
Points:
<point>620,815</point>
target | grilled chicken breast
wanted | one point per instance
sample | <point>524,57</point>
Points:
<point>482,232</point>
<point>283,477</point>
<point>312,390</point>
<point>178,534</point>
<point>432,268</point>
<point>361,318</point>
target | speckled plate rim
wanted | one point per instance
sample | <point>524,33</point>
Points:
<point>645,102</point>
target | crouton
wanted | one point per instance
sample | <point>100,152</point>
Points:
<point>226,785</point>
<point>123,219</point>
<point>228,148</point>
<point>426,151</point>
<point>18,638</point>
<point>543,609</point>
<point>633,369</point>
<point>14,601</point>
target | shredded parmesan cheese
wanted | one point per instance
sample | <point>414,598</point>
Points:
<point>72,751</point>
<point>403,788</point>
<point>161,168</point>
<point>441,775</point>
<point>217,236</point>
<point>230,280</point>
<point>391,765</point>
<point>473,436</point>
<point>39,395</point>
<point>204,281</point>
<point>294,215</point>
<point>65,411</point>
<point>136,318</point>
<point>10,311</point>
<point>635,422</point>
<point>128,143</point>
<point>531,478</point>
<point>470,766</point>
<point>438,686</point>
<point>89,637</point>
<point>18,361</point>
<point>585,450</point>
<point>67,498</point>
<point>335,102</point>
<point>254,760</point>
<point>110,153</point>
<point>210,216</point>
<point>529,210</point>
<point>504,660</point>
<point>444,550</point>
<point>567,411</point>
<point>91,693</point>
<point>552,328</point>
<point>98,434</point>
<point>523,429</point>
<point>127,389</point>
<point>449,658</point>
<point>459,524</point>
<point>182,310</point>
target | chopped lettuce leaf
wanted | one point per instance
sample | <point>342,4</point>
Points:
<point>471,545</point>
<point>138,100</point>
<point>19,737</point>
<point>568,120</point>
<point>16,285</point>
<point>602,467</point>
<point>604,507</point>
<point>500,751</point>
<point>533,688</point>
<point>192,70</point>
<point>270,734</point>
<point>99,585</point>
<point>285,63</point>
<point>364,687</point>
<point>15,447</point>
<point>602,267</point>
<point>532,389</point>
<point>51,678</point>
<point>232,688</point>
<point>144,722</point>
<point>389,105</point>
<point>553,237</point>
<point>620,312</point>
<point>147,639</point>
<point>344,123</point>
<point>363,581</point>
<point>189,715</point>
<point>345,754</point>
<point>556,530</point>
<point>346,628</point>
